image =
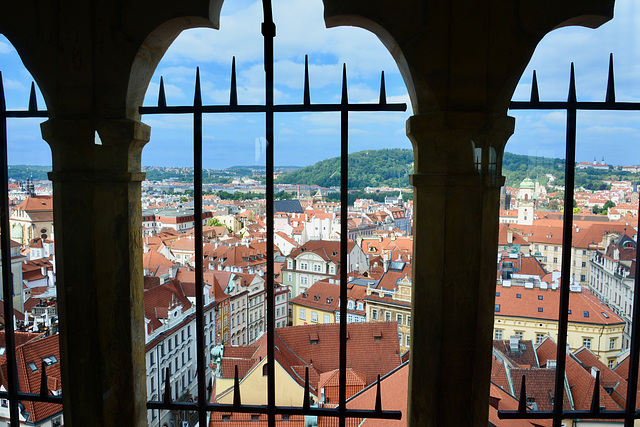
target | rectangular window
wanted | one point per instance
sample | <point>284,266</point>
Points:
<point>326,318</point>
<point>408,340</point>
<point>303,314</point>
<point>399,319</point>
<point>498,335</point>
<point>374,314</point>
<point>612,344</point>
<point>314,316</point>
<point>586,342</point>
<point>519,335</point>
<point>539,339</point>
<point>387,316</point>
<point>497,308</point>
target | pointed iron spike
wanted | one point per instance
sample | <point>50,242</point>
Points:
<point>535,95</point>
<point>572,86</point>
<point>383,91</point>
<point>378,396</point>
<point>167,386</point>
<point>611,87</point>
<point>197,100</point>
<point>345,98</point>
<point>307,95</point>
<point>305,400</point>
<point>3,106</point>
<point>595,401</point>
<point>33,102</point>
<point>233,98</point>
<point>162,99</point>
<point>236,389</point>
<point>44,385</point>
<point>522,405</point>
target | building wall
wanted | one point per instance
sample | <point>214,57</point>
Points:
<point>303,315</point>
<point>600,336</point>
<point>253,388</point>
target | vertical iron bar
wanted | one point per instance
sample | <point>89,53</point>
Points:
<point>268,33</point>
<point>7,276</point>
<point>344,242</point>
<point>634,356</point>
<point>197,213</point>
<point>563,315</point>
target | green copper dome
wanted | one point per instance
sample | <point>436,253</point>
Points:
<point>527,183</point>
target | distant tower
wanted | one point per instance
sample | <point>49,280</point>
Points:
<point>526,202</point>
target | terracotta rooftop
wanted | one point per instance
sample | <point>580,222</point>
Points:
<point>536,303</point>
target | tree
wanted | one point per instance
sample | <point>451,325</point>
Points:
<point>608,204</point>
<point>184,199</point>
<point>215,222</point>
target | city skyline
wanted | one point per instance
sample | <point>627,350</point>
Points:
<point>303,139</point>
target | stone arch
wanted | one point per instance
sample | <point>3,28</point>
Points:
<point>153,48</point>
<point>387,39</point>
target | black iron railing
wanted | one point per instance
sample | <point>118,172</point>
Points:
<point>559,413</point>
<point>269,109</point>
<point>13,394</point>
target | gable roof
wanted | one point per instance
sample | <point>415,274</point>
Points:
<point>34,351</point>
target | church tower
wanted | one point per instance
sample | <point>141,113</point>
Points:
<point>526,203</point>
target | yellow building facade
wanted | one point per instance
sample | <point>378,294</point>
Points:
<point>531,314</point>
<point>385,305</point>
<point>253,387</point>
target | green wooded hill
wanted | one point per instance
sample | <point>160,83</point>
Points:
<point>370,168</point>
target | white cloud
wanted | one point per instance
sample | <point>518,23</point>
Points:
<point>5,48</point>
<point>11,84</point>
<point>323,131</point>
<point>171,91</point>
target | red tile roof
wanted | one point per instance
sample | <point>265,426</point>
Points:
<point>366,354</point>
<point>34,351</point>
<point>584,306</point>
<point>37,203</point>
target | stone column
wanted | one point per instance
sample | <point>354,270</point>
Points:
<point>97,213</point>
<point>456,183</point>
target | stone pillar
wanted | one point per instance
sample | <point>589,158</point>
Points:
<point>457,184</point>
<point>99,269</point>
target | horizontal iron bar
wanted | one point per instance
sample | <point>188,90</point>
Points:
<point>25,113</point>
<point>263,409</point>
<point>581,105</point>
<point>32,397</point>
<point>276,108</point>
<point>538,415</point>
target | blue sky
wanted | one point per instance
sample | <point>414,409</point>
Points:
<point>302,139</point>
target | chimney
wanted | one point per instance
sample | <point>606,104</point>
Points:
<point>509,236</point>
